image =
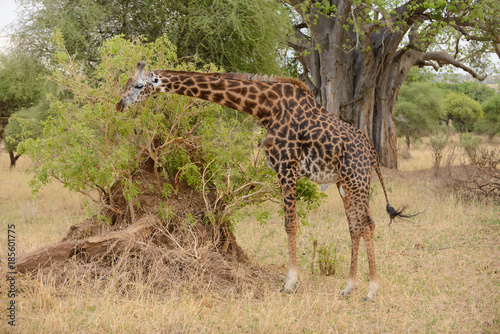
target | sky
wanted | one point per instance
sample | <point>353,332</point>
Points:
<point>7,16</point>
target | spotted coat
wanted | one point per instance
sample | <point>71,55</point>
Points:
<point>302,140</point>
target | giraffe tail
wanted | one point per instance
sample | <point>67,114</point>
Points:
<point>393,213</point>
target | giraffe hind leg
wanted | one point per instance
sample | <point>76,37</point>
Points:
<point>370,251</point>
<point>361,225</point>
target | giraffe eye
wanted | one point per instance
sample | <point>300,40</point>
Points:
<point>139,86</point>
<point>155,80</point>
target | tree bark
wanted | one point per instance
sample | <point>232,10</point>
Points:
<point>358,85</point>
<point>13,159</point>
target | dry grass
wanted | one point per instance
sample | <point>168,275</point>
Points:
<point>439,273</point>
<point>422,158</point>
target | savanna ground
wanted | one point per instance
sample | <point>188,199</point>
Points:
<point>438,273</point>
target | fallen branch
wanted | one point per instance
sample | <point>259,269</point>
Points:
<point>115,243</point>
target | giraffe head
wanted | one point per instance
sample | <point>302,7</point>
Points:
<point>139,87</point>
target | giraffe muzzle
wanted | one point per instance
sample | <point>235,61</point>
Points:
<point>120,106</point>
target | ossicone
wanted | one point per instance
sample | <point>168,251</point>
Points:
<point>140,65</point>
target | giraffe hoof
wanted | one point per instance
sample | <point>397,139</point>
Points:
<point>286,290</point>
<point>346,295</point>
<point>369,299</point>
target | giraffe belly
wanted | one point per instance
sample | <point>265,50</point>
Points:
<point>315,173</point>
<point>323,178</point>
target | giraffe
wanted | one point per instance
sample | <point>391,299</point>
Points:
<point>302,139</point>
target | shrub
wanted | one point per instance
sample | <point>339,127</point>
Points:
<point>490,124</point>
<point>437,143</point>
<point>470,145</point>
<point>478,154</point>
<point>328,258</point>
<point>92,149</point>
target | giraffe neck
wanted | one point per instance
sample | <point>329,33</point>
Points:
<point>256,98</point>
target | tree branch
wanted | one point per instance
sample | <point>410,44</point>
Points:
<point>422,63</point>
<point>301,44</point>
<point>300,41</point>
<point>442,58</point>
<point>405,12</point>
<point>305,77</point>
<point>472,37</point>
<point>300,25</point>
<point>294,3</point>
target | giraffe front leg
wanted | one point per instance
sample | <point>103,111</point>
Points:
<point>292,276</point>
<point>289,197</point>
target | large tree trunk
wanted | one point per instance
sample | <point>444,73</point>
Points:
<point>359,86</point>
<point>356,74</point>
<point>356,56</point>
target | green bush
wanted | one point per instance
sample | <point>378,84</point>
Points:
<point>490,124</point>
<point>418,110</point>
<point>329,259</point>
<point>91,148</point>
<point>470,145</point>
<point>438,143</point>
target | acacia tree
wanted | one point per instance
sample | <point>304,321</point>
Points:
<point>418,110</point>
<point>238,35</point>
<point>357,54</point>
<point>21,92</point>
<point>461,108</point>
<point>491,122</point>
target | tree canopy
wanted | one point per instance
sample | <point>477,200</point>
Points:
<point>418,110</point>
<point>238,35</point>
<point>476,91</point>
<point>490,124</point>
<point>459,107</point>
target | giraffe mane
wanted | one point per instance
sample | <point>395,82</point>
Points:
<point>264,78</point>
<point>246,76</point>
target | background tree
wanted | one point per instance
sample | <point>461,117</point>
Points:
<point>357,54</point>
<point>418,110</point>
<point>238,35</point>
<point>476,91</point>
<point>461,108</point>
<point>22,95</point>
<point>19,84</point>
<point>417,74</point>
<point>490,124</point>
<point>235,34</point>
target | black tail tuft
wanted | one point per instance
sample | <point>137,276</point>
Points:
<point>393,213</point>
